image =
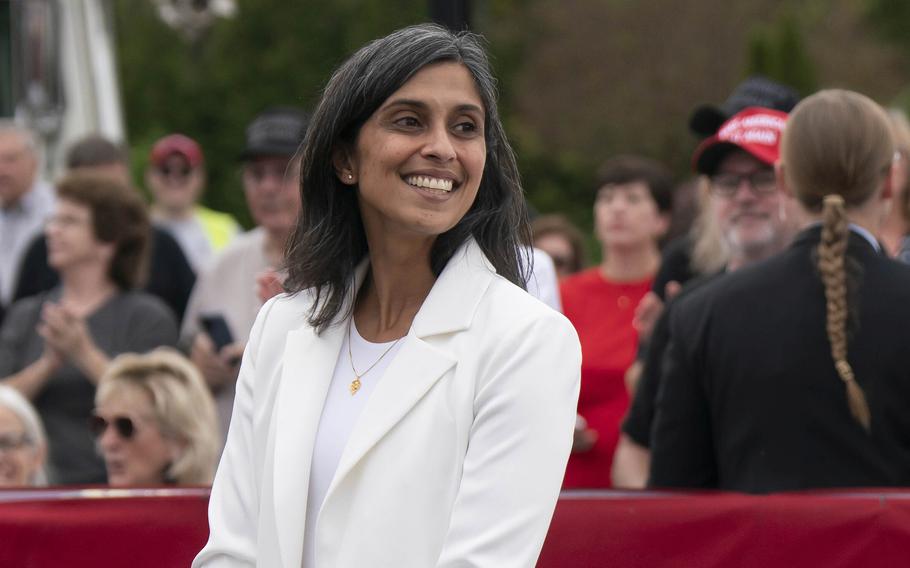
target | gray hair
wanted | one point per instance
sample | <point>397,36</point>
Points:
<point>25,134</point>
<point>34,430</point>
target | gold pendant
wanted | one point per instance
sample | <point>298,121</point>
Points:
<point>355,386</point>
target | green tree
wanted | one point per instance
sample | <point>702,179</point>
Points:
<point>778,52</point>
<point>272,52</point>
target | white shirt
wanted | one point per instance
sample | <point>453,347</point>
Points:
<point>339,416</point>
<point>19,224</point>
<point>192,238</point>
<point>543,283</point>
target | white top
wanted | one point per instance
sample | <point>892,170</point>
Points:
<point>542,282</point>
<point>339,416</point>
<point>19,224</point>
<point>191,235</point>
<point>456,460</point>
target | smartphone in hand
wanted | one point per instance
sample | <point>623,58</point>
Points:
<point>217,328</point>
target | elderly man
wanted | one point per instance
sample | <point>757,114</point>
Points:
<point>225,300</point>
<point>25,203</point>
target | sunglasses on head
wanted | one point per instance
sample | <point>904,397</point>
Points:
<point>124,426</point>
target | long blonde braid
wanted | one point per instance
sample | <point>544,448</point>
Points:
<point>831,254</point>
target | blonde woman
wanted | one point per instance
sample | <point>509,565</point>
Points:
<point>55,346</point>
<point>792,373</point>
<point>155,421</point>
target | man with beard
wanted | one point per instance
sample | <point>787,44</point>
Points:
<point>754,221</point>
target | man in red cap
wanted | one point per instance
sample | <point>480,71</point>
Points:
<point>176,179</point>
<point>739,162</point>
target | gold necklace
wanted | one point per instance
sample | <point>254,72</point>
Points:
<point>355,384</point>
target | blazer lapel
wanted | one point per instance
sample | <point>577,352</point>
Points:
<point>309,363</point>
<point>412,373</point>
<point>449,308</point>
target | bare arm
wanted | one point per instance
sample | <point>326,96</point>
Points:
<point>30,380</point>
<point>631,464</point>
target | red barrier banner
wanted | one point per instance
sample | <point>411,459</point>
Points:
<point>96,527</point>
<point>631,529</point>
<point>82,528</point>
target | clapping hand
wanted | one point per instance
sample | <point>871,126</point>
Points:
<point>65,334</point>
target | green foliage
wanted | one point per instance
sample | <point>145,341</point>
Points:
<point>778,52</point>
<point>890,17</point>
<point>273,52</point>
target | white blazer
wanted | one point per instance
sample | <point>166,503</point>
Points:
<point>456,460</point>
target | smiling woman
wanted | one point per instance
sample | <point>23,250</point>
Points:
<point>407,404</point>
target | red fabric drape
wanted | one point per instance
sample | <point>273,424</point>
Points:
<point>163,528</point>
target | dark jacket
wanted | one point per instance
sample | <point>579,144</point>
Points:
<point>750,399</point>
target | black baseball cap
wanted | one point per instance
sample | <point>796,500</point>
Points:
<point>755,91</point>
<point>277,131</point>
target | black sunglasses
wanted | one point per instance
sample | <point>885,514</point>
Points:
<point>122,424</point>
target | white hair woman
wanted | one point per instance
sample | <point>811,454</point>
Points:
<point>23,444</point>
<point>155,421</point>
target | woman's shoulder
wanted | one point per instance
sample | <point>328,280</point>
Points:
<point>511,307</point>
<point>285,312</point>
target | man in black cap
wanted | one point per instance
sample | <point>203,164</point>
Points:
<point>225,300</point>
<point>755,91</point>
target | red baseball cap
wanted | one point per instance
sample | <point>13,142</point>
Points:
<point>176,144</point>
<point>756,130</point>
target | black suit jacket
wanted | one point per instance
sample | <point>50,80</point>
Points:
<point>750,400</point>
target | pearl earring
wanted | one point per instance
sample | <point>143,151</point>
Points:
<point>350,177</point>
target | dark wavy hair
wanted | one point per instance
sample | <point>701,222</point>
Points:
<point>329,239</point>
<point>119,216</point>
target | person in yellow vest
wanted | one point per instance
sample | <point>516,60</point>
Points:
<point>176,178</point>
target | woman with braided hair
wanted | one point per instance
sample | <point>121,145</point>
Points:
<point>793,373</point>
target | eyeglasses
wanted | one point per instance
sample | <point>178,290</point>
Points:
<point>10,442</point>
<point>761,183</point>
<point>66,221</point>
<point>180,172</point>
<point>124,426</point>
<point>280,172</point>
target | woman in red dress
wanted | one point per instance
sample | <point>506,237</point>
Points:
<point>631,214</point>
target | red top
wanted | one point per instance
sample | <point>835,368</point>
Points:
<point>601,312</point>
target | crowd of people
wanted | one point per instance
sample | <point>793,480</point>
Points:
<point>761,351</point>
<point>99,276</point>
